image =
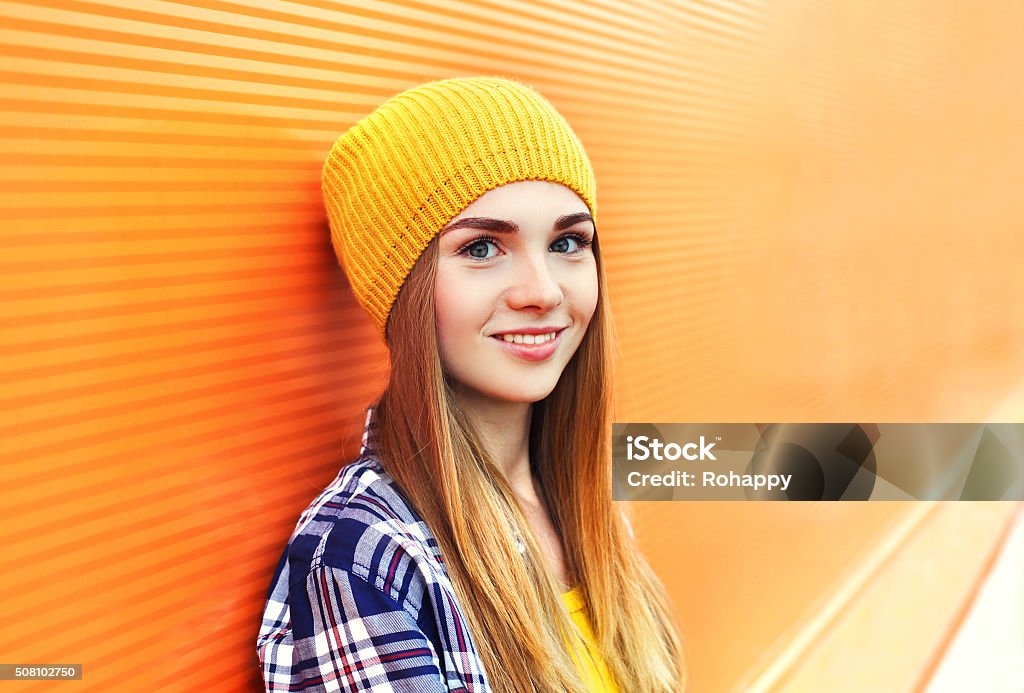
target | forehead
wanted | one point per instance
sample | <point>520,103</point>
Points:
<point>536,200</point>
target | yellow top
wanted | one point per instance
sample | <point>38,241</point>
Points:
<point>594,670</point>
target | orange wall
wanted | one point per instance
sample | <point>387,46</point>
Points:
<point>809,212</point>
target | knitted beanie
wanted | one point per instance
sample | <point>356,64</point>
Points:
<point>393,180</point>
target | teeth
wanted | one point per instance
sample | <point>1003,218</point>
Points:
<point>528,338</point>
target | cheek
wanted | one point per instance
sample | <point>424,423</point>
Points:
<point>455,311</point>
<point>586,295</point>
<point>445,313</point>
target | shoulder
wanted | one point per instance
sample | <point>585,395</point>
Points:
<point>361,523</point>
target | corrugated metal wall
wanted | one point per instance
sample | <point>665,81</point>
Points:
<point>809,211</point>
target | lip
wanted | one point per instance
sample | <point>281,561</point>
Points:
<point>531,352</point>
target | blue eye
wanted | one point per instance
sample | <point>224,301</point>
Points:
<point>471,249</point>
<point>581,243</point>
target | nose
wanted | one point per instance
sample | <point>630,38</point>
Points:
<point>534,285</point>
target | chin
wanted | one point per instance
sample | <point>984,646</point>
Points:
<point>528,398</point>
<point>520,394</point>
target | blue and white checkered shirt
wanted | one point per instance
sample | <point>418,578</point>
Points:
<point>361,601</point>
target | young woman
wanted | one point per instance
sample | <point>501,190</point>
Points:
<point>473,545</point>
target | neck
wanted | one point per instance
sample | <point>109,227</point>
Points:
<point>505,431</point>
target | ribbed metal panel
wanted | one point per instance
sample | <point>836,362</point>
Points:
<point>808,213</point>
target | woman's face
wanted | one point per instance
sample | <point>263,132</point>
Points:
<point>515,267</point>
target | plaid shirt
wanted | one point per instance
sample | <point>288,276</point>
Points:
<point>360,599</point>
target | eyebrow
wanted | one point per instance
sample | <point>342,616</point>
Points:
<point>504,226</point>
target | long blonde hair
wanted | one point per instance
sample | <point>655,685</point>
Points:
<point>510,599</point>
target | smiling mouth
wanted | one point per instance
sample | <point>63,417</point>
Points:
<point>528,340</point>
<point>544,346</point>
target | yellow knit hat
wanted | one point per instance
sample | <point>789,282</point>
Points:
<point>394,179</point>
